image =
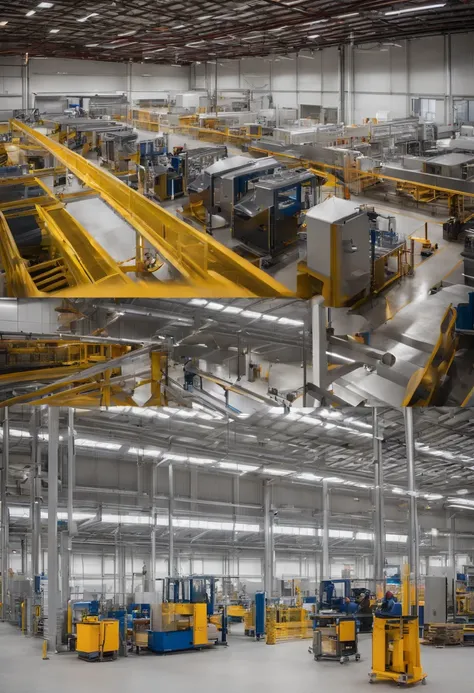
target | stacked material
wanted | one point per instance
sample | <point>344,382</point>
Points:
<point>441,634</point>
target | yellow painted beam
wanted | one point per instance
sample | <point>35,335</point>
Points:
<point>198,257</point>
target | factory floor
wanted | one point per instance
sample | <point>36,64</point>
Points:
<point>245,664</point>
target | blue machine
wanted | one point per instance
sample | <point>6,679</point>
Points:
<point>121,616</point>
<point>91,608</point>
<point>260,613</point>
<point>465,315</point>
<point>329,595</point>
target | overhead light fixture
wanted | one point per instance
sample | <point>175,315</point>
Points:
<point>3,23</point>
<point>348,14</point>
<point>179,26</point>
<point>54,31</point>
<point>128,33</point>
<point>31,13</point>
<point>91,45</point>
<point>307,476</point>
<point>88,16</point>
<point>206,16</point>
<point>232,309</point>
<point>415,9</point>
<point>158,50</point>
<point>275,471</point>
<point>46,5</point>
<point>313,36</point>
<point>462,492</point>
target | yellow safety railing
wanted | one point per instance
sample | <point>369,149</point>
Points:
<point>197,257</point>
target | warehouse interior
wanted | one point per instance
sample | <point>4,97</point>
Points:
<point>237,355</point>
<point>105,511</point>
<point>265,150</point>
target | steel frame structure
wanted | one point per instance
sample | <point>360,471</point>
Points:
<point>199,260</point>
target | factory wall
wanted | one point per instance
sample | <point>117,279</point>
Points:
<point>55,76</point>
<point>375,78</point>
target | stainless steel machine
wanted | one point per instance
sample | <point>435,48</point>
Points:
<point>267,219</point>
<point>231,187</point>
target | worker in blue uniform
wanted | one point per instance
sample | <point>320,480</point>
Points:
<point>349,607</point>
<point>388,604</point>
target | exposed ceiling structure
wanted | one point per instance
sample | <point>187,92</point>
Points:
<point>294,451</point>
<point>184,31</point>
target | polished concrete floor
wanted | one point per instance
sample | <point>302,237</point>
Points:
<point>244,665</point>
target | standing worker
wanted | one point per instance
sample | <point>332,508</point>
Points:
<point>190,370</point>
<point>388,604</point>
<point>365,613</point>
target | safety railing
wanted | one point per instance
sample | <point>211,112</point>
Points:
<point>197,257</point>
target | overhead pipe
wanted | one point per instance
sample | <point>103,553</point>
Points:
<point>145,312</point>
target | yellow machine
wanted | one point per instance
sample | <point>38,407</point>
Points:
<point>336,640</point>
<point>287,623</point>
<point>97,639</point>
<point>183,626</point>
<point>396,645</point>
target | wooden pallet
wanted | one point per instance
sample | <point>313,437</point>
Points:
<point>443,634</point>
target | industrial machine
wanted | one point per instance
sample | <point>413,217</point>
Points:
<point>468,255</point>
<point>336,640</point>
<point>182,620</point>
<point>268,218</point>
<point>97,639</point>
<point>396,644</point>
<point>332,594</point>
<point>233,186</point>
<point>338,263</point>
<point>255,618</point>
<point>119,150</point>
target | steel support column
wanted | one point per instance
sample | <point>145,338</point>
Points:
<point>379,525</point>
<point>130,90</point>
<point>5,520</point>
<point>53,586</point>
<point>413,533</point>
<point>326,569</point>
<point>320,359</point>
<point>154,479</point>
<point>342,87</point>
<point>268,559</point>
<point>171,556</point>
<point>35,494</point>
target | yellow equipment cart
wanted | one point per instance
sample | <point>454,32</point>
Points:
<point>97,640</point>
<point>336,640</point>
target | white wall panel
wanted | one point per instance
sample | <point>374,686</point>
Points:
<point>76,77</point>
<point>398,60</point>
<point>228,75</point>
<point>309,72</point>
<point>371,70</point>
<point>330,69</point>
<point>255,74</point>
<point>367,105</point>
<point>427,74</point>
<point>462,63</point>
<point>284,74</point>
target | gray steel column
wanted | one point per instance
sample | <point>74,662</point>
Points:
<point>325,538</point>
<point>268,560</point>
<point>66,537</point>
<point>130,90</point>
<point>65,571</point>
<point>53,586</point>
<point>413,534</point>
<point>122,582</point>
<point>35,494</point>
<point>379,525</point>
<point>320,359</point>
<point>153,530</point>
<point>5,520</point>
<point>342,87</point>
<point>171,556</point>
<point>23,550</point>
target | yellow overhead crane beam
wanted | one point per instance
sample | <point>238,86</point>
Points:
<point>105,383</point>
<point>199,259</point>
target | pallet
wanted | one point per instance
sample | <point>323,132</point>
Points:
<point>443,634</point>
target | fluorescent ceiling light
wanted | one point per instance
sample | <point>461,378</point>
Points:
<point>460,507</point>
<point>158,50</point>
<point>179,26</point>
<point>275,471</point>
<point>313,36</point>
<point>84,19</point>
<point>307,476</point>
<point>270,318</point>
<point>31,13</point>
<point>91,45</point>
<point>462,492</point>
<point>289,321</point>
<point>54,31</point>
<point>206,16</point>
<point>348,14</point>
<point>433,496</point>
<point>279,29</point>
<point>86,443</point>
<point>46,5</point>
<point>232,309</point>
<point>415,9</point>
<point>144,452</point>
<point>201,460</point>
<point>128,33</point>
<point>251,314</point>
<point>238,467</point>
<point>3,23</point>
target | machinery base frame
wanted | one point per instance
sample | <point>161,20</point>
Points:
<point>399,679</point>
